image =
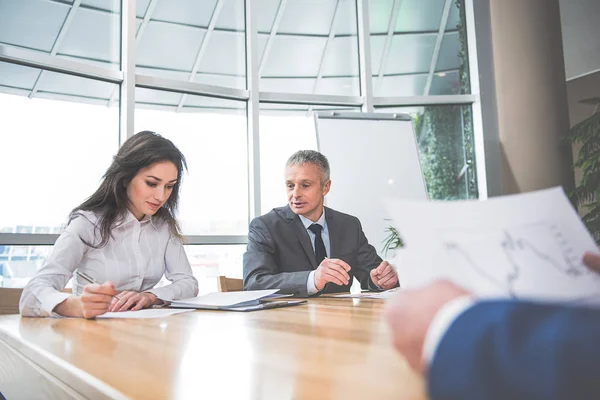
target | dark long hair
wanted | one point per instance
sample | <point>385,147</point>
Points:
<point>110,200</point>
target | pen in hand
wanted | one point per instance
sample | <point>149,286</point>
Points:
<point>91,280</point>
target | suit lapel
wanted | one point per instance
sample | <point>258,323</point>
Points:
<point>333,228</point>
<point>301,233</point>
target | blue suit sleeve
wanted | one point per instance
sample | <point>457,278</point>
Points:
<point>519,350</point>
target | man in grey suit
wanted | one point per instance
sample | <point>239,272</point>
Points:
<point>307,249</point>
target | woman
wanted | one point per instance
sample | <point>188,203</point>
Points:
<point>124,235</point>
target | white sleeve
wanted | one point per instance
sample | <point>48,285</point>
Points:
<point>43,292</point>
<point>311,288</point>
<point>178,270</point>
<point>440,324</point>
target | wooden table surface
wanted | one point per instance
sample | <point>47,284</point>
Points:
<point>326,349</point>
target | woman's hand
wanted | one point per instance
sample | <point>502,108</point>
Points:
<point>95,300</point>
<point>133,301</point>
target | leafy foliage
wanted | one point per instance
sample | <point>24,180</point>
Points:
<point>587,194</point>
<point>445,137</point>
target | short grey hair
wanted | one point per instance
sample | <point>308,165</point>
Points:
<point>311,157</point>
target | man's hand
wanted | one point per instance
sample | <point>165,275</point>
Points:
<point>332,270</point>
<point>592,261</point>
<point>384,276</point>
<point>410,313</point>
<point>133,301</point>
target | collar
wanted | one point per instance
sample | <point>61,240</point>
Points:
<point>307,222</point>
<point>128,218</point>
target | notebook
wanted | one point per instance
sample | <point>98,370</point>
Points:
<point>250,300</point>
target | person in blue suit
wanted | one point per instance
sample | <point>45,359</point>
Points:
<point>497,349</point>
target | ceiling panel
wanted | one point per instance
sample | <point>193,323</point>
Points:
<point>267,9</point>
<point>294,56</point>
<point>311,17</point>
<point>34,24</point>
<point>107,5</point>
<point>230,62</point>
<point>297,85</point>
<point>74,85</point>
<point>93,35</point>
<point>160,97</point>
<point>238,82</point>
<point>208,102</point>
<point>341,58</point>
<point>17,76</point>
<point>170,46</point>
<point>232,15</point>
<point>410,54</point>
<point>380,12</point>
<point>377,45</point>
<point>448,57</point>
<point>453,18</point>
<point>419,15</point>
<point>445,83</point>
<point>345,19</point>
<point>190,12</point>
<point>401,85</point>
<point>163,73</point>
<point>339,86</point>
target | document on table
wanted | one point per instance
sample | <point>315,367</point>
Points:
<point>371,295</point>
<point>147,313</point>
<point>527,246</point>
<point>227,300</point>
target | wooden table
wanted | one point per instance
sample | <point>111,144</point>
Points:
<point>326,349</point>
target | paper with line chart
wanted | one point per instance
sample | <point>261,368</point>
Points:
<point>526,246</point>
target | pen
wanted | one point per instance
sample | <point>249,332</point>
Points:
<point>88,278</point>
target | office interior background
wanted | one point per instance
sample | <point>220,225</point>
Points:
<point>492,87</point>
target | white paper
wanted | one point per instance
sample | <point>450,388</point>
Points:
<point>146,313</point>
<point>371,295</point>
<point>529,245</point>
<point>225,299</point>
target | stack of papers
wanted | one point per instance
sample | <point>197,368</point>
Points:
<point>522,246</point>
<point>236,301</point>
<point>371,295</point>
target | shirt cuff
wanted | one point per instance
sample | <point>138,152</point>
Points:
<point>50,300</point>
<point>440,324</point>
<point>311,288</point>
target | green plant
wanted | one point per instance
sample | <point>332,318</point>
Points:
<point>587,194</point>
<point>393,241</point>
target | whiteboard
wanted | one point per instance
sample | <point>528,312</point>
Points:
<point>372,157</point>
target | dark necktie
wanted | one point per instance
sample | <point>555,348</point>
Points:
<point>320,252</point>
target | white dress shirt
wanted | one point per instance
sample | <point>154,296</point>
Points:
<point>310,283</point>
<point>134,259</point>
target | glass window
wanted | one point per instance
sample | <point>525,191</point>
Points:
<point>403,42</point>
<point>18,264</point>
<point>83,32</point>
<point>445,138</point>
<point>284,129</point>
<point>195,41</point>
<point>60,141</point>
<point>209,262</point>
<point>309,46</point>
<point>211,133</point>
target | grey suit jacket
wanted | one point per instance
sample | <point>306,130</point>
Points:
<point>280,254</point>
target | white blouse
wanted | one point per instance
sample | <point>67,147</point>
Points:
<point>135,259</point>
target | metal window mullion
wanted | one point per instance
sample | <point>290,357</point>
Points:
<point>203,47</point>
<point>138,38</point>
<point>364,55</point>
<point>34,59</point>
<point>438,46</point>
<point>476,109</point>
<point>61,35</point>
<point>127,89</point>
<point>387,46</point>
<point>265,56</point>
<point>381,102</point>
<point>253,105</point>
